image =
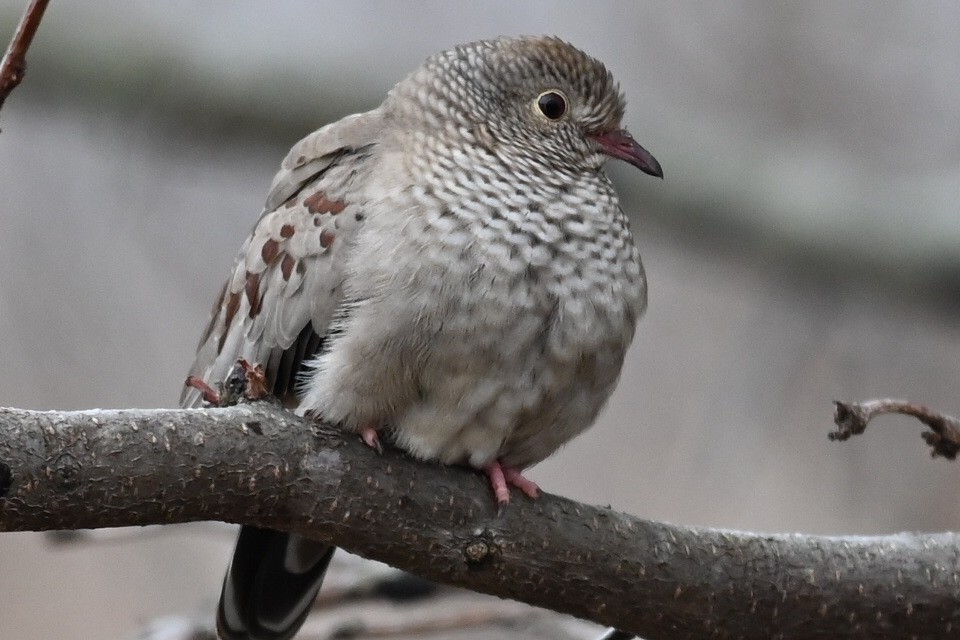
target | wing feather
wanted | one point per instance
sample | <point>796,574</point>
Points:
<point>276,306</point>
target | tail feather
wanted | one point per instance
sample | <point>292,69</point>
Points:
<point>271,584</point>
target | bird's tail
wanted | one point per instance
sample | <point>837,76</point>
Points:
<point>271,584</point>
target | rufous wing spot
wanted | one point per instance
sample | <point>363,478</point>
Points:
<point>270,251</point>
<point>233,303</point>
<point>286,266</point>
<point>326,238</point>
<point>320,203</point>
<point>252,289</point>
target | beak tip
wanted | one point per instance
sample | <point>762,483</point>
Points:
<point>621,145</point>
<point>654,169</point>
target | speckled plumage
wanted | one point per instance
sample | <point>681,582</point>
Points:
<point>453,266</point>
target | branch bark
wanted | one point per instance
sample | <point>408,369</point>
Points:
<point>257,464</point>
<point>14,64</point>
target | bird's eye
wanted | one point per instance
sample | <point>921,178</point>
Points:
<point>552,104</point>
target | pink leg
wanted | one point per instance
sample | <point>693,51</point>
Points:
<point>513,476</point>
<point>502,477</point>
<point>371,438</point>
<point>498,482</point>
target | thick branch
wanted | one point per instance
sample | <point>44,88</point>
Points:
<point>259,465</point>
<point>14,63</point>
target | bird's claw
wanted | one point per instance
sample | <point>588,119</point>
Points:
<point>501,478</point>
<point>371,438</point>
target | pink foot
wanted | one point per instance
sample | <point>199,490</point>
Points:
<point>371,438</point>
<point>514,477</point>
<point>498,482</point>
<point>502,477</point>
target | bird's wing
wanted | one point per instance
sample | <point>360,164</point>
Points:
<point>276,306</point>
<point>275,310</point>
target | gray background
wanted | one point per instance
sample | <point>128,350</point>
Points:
<point>803,247</point>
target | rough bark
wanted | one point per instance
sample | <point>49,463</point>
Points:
<point>257,464</point>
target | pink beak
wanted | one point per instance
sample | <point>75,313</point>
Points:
<point>620,144</point>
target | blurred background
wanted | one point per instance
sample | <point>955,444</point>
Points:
<point>804,246</point>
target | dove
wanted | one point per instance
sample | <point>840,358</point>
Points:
<point>451,271</point>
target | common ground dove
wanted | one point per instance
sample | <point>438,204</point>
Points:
<point>452,268</point>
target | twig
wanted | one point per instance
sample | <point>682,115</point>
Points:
<point>851,419</point>
<point>260,465</point>
<point>14,64</point>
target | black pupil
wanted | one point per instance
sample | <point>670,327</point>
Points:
<point>552,105</point>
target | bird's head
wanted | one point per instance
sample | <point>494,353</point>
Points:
<point>538,99</point>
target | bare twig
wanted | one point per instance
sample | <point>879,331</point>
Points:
<point>14,64</point>
<point>260,465</point>
<point>851,419</point>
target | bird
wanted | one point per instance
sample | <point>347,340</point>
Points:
<point>451,271</point>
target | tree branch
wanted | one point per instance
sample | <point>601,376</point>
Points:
<point>257,464</point>
<point>851,419</point>
<point>14,63</point>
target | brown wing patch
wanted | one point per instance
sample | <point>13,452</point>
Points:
<point>327,237</point>
<point>252,290</point>
<point>319,203</point>
<point>286,266</point>
<point>233,303</point>
<point>270,250</point>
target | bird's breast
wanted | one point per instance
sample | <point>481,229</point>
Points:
<point>485,324</point>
